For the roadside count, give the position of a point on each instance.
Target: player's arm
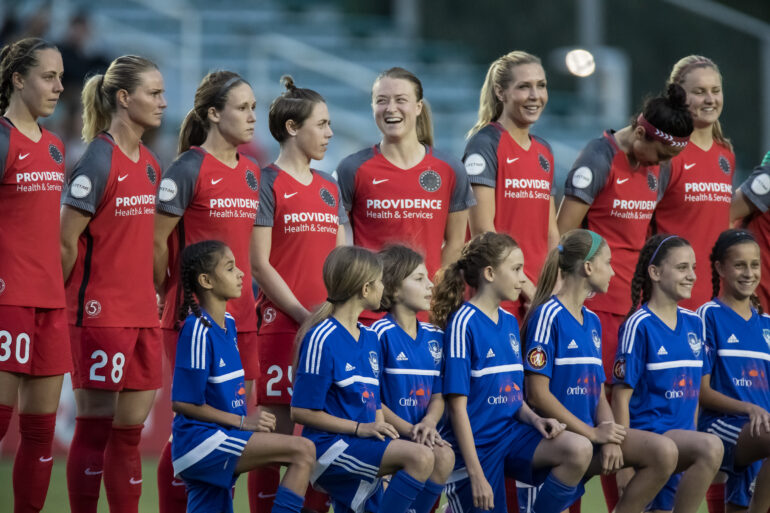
(267, 277)
(342, 238)
(403, 426)
(740, 206)
(323, 421)
(711, 399)
(553, 227)
(454, 236)
(621, 396)
(547, 426)
(164, 225)
(73, 222)
(571, 214)
(482, 215)
(424, 432)
(206, 413)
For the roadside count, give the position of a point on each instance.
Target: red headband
(660, 135)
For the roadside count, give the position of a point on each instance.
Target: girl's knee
(304, 451)
(664, 454)
(420, 460)
(712, 450)
(444, 460)
(578, 450)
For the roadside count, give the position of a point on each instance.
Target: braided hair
(654, 252)
(199, 258)
(726, 240)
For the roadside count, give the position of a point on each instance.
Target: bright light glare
(580, 62)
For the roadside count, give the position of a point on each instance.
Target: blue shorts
(204, 498)
(727, 428)
(740, 485)
(212, 458)
(347, 469)
(665, 498)
(511, 456)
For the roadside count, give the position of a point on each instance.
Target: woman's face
(650, 152)
(704, 96)
(675, 275)
(145, 105)
(526, 95)
(40, 88)
(236, 119)
(741, 270)
(314, 134)
(395, 107)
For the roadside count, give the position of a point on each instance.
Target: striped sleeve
(458, 339)
(193, 358)
(315, 367)
(632, 350)
(541, 348)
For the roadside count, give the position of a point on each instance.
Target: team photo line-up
(475, 340)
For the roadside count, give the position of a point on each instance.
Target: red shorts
(116, 358)
(276, 358)
(34, 341)
(610, 326)
(247, 347)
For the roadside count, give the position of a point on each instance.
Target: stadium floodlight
(580, 62)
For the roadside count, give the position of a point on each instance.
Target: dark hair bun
(288, 83)
(676, 96)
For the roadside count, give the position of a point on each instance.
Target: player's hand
(611, 458)
(759, 420)
(608, 432)
(549, 428)
(426, 434)
(483, 496)
(378, 430)
(265, 422)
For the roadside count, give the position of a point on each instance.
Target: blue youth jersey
(483, 362)
(338, 374)
(569, 354)
(663, 366)
(411, 367)
(737, 354)
(208, 371)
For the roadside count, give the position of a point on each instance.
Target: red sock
(715, 498)
(172, 495)
(33, 464)
(263, 483)
(123, 469)
(85, 462)
(610, 489)
(575, 508)
(511, 495)
(5, 419)
(316, 501)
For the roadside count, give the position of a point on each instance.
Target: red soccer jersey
(621, 201)
(215, 202)
(111, 282)
(31, 178)
(696, 205)
(387, 204)
(757, 190)
(523, 181)
(305, 220)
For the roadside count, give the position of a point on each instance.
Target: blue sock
(428, 497)
(554, 496)
(287, 501)
(401, 492)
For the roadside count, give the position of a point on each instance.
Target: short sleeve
(631, 356)
(266, 209)
(191, 368)
(346, 175)
(666, 175)
(540, 343)
(341, 211)
(462, 196)
(314, 371)
(457, 363)
(5, 142)
(178, 184)
(757, 187)
(480, 157)
(590, 172)
(89, 178)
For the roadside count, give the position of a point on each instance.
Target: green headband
(596, 241)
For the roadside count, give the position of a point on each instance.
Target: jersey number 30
(22, 346)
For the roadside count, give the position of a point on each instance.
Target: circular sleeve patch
(760, 185)
(537, 358)
(167, 190)
(80, 187)
(475, 164)
(619, 369)
(582, 177)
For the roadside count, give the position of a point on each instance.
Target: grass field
(56, 502)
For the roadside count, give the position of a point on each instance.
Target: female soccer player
(214, 440)
(511, 170)
(298, 224)
(564, 376)
(211, 191)
(491, 429)
(734, 388)
(412, 360)
(337, 396)
(34, 343)
(697, 191)
(107, 243)
(402, 190)
(751, 204)
(658, 369)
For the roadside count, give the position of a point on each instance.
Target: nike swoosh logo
(375, 181)
(45, 460)
(287, 196)
(511, 161)
(214, 182)
(121, 178)
(265, 495)
(688, 166)
(22, 157)
(90, 472)
(621, 180)
(174, 482)
(135, 481)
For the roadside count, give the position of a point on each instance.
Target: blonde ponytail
(425, 125)
(97, 114)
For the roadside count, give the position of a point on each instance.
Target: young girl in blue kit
(213, 438)
(564, 373)
(494, 433)
(337, 396)
(412, 358)
(658, 367)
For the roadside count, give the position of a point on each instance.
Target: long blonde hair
(500, 74)
(424, 122)
(679, 74)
